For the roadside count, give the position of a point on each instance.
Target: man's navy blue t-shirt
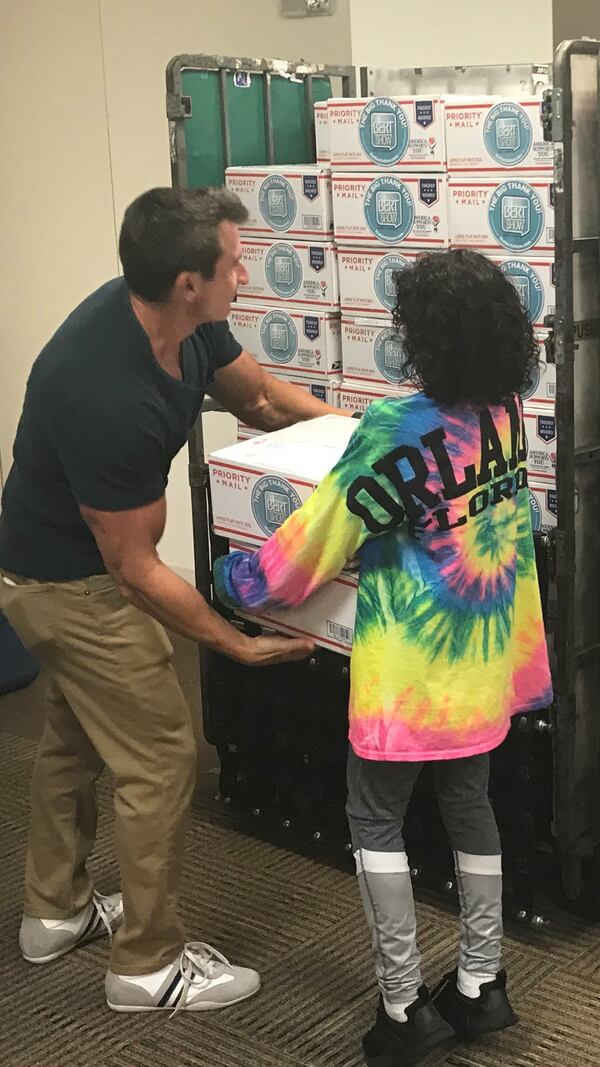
(100, 426)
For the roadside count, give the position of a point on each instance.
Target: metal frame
(178, 110)
(517, 78)
(575, 125)
(177, 106)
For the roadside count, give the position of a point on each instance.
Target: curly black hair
(466, 336)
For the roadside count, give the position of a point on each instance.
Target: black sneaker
(468, 1017)
(392, 1044)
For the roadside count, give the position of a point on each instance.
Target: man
(110, 400)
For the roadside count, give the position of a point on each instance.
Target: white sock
(72, 925)
(397, 1009)
(470, 984)
(150, 982)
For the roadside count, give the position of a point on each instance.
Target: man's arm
(262, 400)
(127, 541)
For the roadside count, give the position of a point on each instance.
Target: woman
(449, 641)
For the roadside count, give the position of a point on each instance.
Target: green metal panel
(203, 137)
(290, 130)
(245, 108)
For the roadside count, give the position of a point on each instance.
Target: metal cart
(281, 732)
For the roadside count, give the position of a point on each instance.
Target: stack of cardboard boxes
(287, 315)
(389, 182)
(394, 178)
(413, 175)
(501, 201)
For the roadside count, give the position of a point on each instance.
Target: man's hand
(265, 651)
(127, 541)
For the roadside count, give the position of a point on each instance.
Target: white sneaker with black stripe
(44, 940)
(200, 979)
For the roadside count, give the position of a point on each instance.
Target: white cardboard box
(543, 500)
(492, 134)
(327, 616)
(377, 133)
(515, 213)
(540, 429)
(294, 340)
(372, 352)
(388, 209)
(534, 280)
(291, 272)
(356, 396)
(325, 389)
(256, 484)
(322, 132)
(288, 199)
(367, 277)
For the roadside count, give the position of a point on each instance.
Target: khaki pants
(113, 698)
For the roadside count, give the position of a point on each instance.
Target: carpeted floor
(295, 918)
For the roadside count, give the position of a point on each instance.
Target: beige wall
(56, 211)
(576, 18)
(402, 33)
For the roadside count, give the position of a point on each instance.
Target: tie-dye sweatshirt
(449, 638)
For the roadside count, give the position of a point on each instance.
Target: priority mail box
(515, 212)
(493, 134)
(294, 340)
(288, 199)
(391, 209)
(367, 277)
(356, 396)
(535, 282)
(327, 616)
(376, 133)
(543, 500)
(291, 272)
(372, 351)
(256, 484)
(322, 132)
(540, 429)
(325, 389)
(542, 389)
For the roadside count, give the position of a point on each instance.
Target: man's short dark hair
(167, 231)
(466, 335)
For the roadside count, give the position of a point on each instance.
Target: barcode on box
(551, 388)
(312, 222)
(551, 233)
(340, 633)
